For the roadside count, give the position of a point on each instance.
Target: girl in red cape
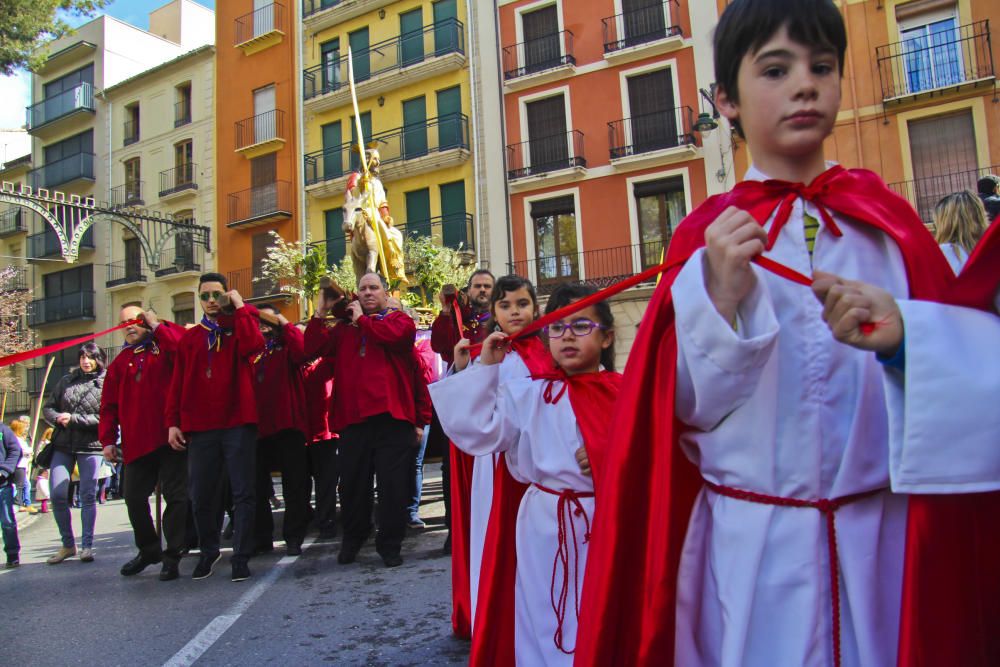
(549, 427)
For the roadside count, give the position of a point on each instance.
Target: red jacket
(377, 355)
(216, 391)
(135, 387)
(444, 332)
(318, 386)
(277, 372)
(422, 370)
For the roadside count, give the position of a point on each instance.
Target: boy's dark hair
(214, 278)
(566, 294)
(746, 25)
(988, 185)
(511, 283)
(93, 351)
(480, 272)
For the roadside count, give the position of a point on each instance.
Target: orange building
(257, 149)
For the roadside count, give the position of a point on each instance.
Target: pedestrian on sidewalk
(22, 486)
(10, 453)
(40, 476)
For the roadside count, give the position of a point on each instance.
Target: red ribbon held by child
(55, 347)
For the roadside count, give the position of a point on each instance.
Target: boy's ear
(726, 105)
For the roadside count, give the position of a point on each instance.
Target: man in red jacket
(281, 409)
(374, 413)
(137, 379)
(211, 411)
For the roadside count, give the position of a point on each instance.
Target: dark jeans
(8, 522)
(378, 448)
(418, 477)
(287, 450)
(169, 468)
(210, 453)
(325, 472)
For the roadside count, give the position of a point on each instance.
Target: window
(653, 121)
(264, 186)
(336, 243)
(547, 145)
(418, 212)
(133, 180)
(411, 37)
(183, 308)
(454, 233)
(70, 281)
(261, 242)
(183, 159)
(943, 150)
(133, 259)
(184, 243)
(932, 56)
(643, 21)
(80, 143)
(541, 39)
(445, 26)
(65, 361)
(182, 107)
(660, 205)
(265, 119)
(330, 59)
(554, 225)
(70, 81)
(131, 124)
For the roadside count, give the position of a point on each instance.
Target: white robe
(540, 442)
(955, 255)
(780, 408)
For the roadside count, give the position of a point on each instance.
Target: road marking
(217, 627)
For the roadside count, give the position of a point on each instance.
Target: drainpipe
(108, 242)
(854, 88)
(508, 221)
(474, 126)
(301, 127)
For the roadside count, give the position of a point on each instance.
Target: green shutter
(418, 212)
(333, 157)
(336, 245)
(453, 232)
(359, 50)
(411, 26)
(366, 127)
(415, 127)
(445, 27)
(449, 105)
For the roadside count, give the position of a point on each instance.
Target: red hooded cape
(648, 486)
(951, 582)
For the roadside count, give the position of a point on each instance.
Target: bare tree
(14, 335)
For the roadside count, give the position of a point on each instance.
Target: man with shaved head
(135, 391)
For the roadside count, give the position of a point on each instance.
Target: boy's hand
(583, 461)
(176, 439)
(731, 242)
(494, 349)
(849, 304)
(462, 355)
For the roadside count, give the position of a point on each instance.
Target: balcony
(46, 244)
(660, 137)
(181, 257)
(953, 59)
(131, 132)
(319, 15)
(178, 182)
(44, 117)
(13, 221)
(643, 32)
(598, 268)
(260, 205)
(396, 62)
(67, 171)
(251, 286)
(16, 401)
(17, 280)
(124, 273)
(37, 375)
(538, 60)
(129, 194)
(182, 113)
(405, 151)
(261, 28)
(62, 308)
(261, 134)
(924, 193)
(556, 158)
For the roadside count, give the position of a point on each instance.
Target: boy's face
(789, 98)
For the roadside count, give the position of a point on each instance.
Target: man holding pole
(135, 388)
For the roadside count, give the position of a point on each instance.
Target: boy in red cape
(745, 516)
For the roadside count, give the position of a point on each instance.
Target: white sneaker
(86, 555)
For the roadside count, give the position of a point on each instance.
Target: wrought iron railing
(69, 168)
(70, 306)
(250, 283)
(455, 231)
(441, 38)
(79, 98)
(545, 154)
(261, 202)
(640, 26)
(599, 268)
(124, 272)
(650, 132)
(15, 401)
(537, 55)
(942, 59)
(259, 22)
(263, 127)
(181, 177)
(13, 221)
(17, 280)
(131, 131)
(182, 112)
(924, 193)
(181, 254)
(395, 146)
(128, 194)
(310, 7)
(46, 244)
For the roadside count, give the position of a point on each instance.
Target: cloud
(16, 92)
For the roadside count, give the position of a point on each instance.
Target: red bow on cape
(590, 394)
(648, 486)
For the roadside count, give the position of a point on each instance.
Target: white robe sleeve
(943, 417)
(473, 411)
(718, 367)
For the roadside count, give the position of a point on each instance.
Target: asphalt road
(297, 611)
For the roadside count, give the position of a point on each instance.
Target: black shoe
(293, 549)
(203, 569)
(328, 531)
(241, 572)
(12, 563)
(261, 549)
(169, 572)
(137, 565)
(392, 560)
(348, 554)
(446, 549)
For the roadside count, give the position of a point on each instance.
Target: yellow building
(413, 83)
(162, 157)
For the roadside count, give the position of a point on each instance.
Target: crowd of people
(799, 465)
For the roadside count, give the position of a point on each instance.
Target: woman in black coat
(72, 409)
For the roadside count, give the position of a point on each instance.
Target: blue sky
(135, 12)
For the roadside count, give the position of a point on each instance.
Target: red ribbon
(457, 307)
(55, 347)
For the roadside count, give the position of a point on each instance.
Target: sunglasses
(581, 327)
(205, 296)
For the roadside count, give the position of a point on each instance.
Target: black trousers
(286, 451)
(325, 471)
(169, 468)
(210, 453)
(381, 448)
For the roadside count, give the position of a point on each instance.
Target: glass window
(661, 207)
(931, 55)
(556, 250)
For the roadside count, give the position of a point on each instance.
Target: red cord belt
(568, 506)
(828, 508)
